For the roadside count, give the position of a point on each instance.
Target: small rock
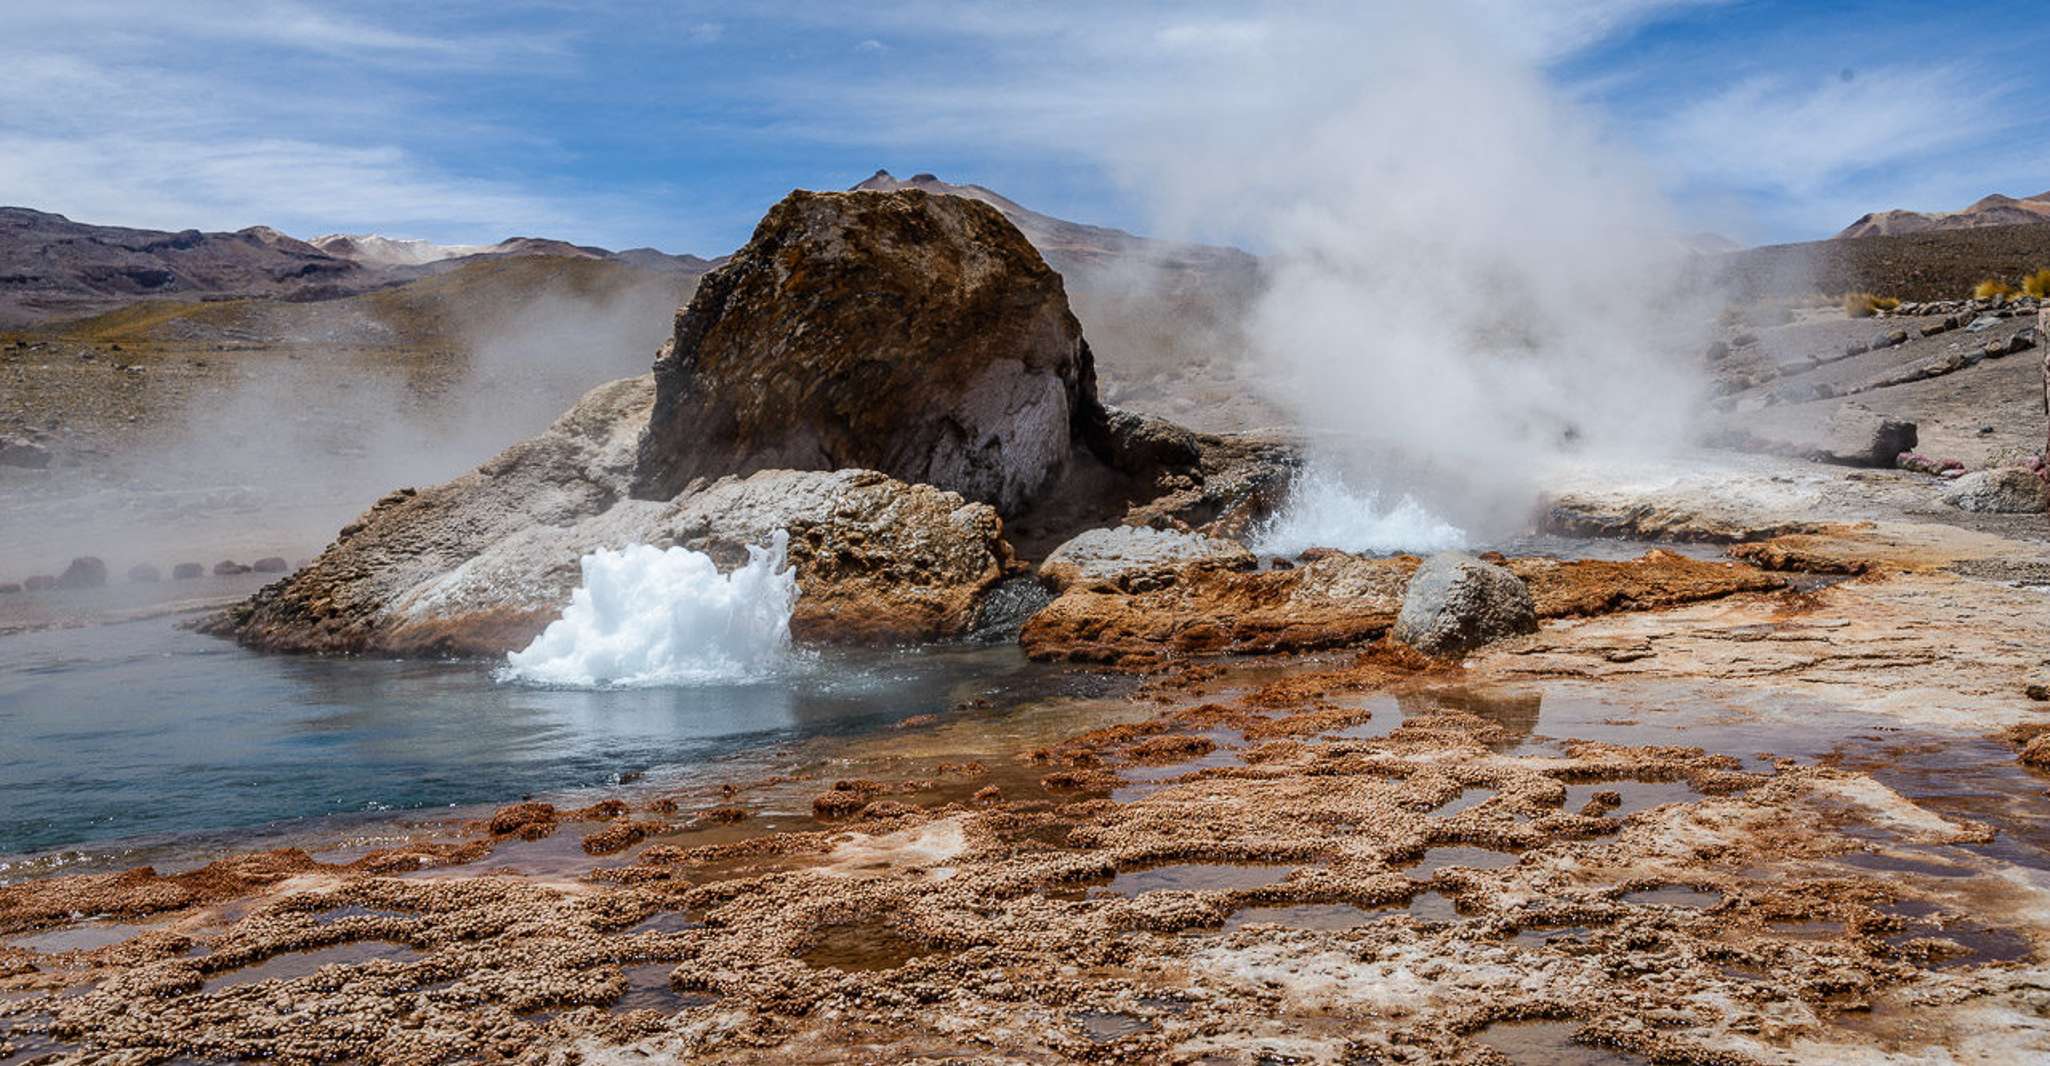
(24, 453)
(269, 564)
(2037, 689)
(2005, 490)
(229, 568)
(1455, 603)
(187, 571)
(85, 572)
(1137, 558)
(1944, 364)
(1860, 436)
(144, 574)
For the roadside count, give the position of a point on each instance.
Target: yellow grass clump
(1865, 304)
(1991, 287)
(2038, 284)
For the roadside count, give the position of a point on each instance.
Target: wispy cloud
(215, 115)
(633, 120)
(1796, 138)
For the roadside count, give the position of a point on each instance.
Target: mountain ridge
(1997, 209)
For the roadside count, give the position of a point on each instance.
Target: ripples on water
(116, 740)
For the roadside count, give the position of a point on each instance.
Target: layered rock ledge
(481, 564)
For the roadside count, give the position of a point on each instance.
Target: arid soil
(1700, 817)
(1940, 264)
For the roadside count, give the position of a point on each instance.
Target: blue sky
(676, 124)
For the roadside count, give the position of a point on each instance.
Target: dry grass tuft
(1865, 304)
(1991, 287)
(2038, 284)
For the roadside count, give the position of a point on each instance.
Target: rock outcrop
(1852, 435)
(481, 564)
(24, 453)
(1330, 602)
(1455, 603)
(880, 374)
(914, 334)
(1338, 599)
(2003, 490)
(85, 572)
(1136, 558)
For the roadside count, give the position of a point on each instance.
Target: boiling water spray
(648, 616)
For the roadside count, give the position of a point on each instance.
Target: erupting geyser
(1324, 512)
(652, 616)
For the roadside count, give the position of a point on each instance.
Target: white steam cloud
(1466, 281)
(341, 403)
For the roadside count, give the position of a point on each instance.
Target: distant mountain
(52, 267)
(408, 256)
(1937, 264)
(1994, 210)
(372, 249)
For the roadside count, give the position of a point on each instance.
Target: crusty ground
(992, 928)
(1351, 856)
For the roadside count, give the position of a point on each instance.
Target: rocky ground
(1779, 798)
(1766, 811)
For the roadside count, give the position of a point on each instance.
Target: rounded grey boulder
(85, 572)
(1456, 603)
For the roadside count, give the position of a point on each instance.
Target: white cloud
(298, 186)
(176, 116)
(1798, 139)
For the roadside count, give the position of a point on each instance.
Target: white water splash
(649, 616)
(1324, 512)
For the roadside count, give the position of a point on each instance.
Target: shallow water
(1679, 896)
(864, 945)
(300, 963)
(1549, 1043)
(1197, 876)
(1636, 796)
(648, 988)
(79, 937)
(1106, 1027)
(1303, 916)
(136, 741)
(1442, 858)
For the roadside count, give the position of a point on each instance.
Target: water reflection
(1516, 713)
(142, 730)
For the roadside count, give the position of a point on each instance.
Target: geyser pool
(666, 616)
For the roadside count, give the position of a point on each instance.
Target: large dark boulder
(914, 334)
